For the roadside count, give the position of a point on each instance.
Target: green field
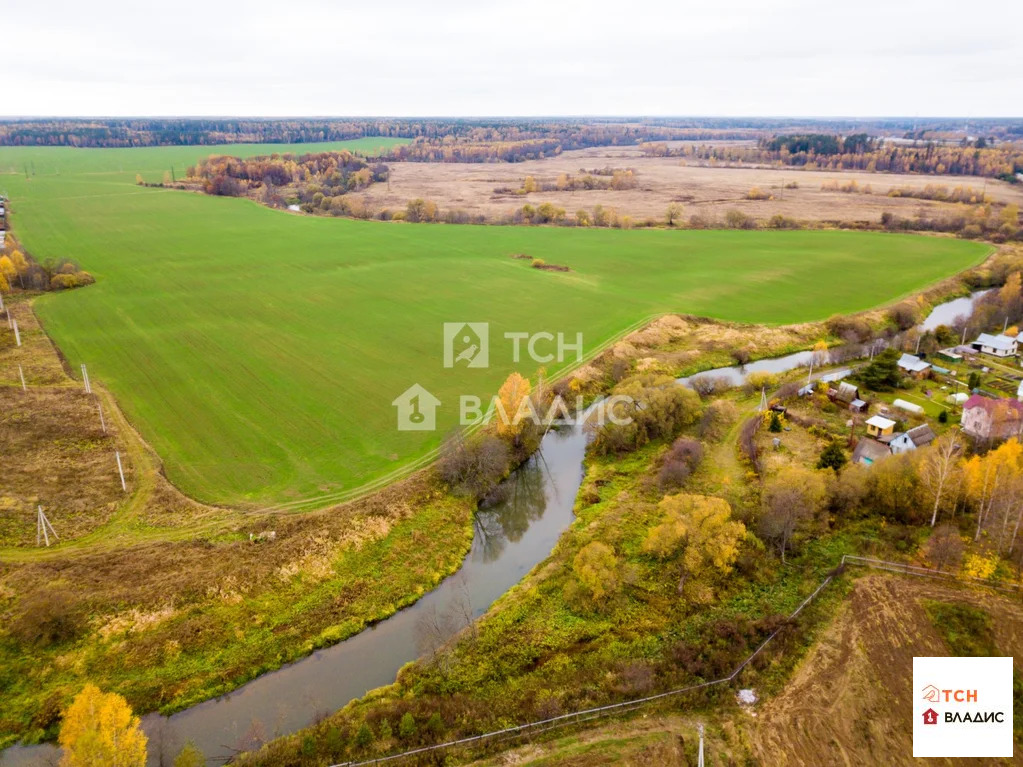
(259, 351)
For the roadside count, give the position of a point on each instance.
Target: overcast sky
(531, 57)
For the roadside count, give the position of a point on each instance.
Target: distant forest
(446, 139)
(816, 151)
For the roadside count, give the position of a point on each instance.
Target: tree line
(861, 152)
(20, 271)
(307, 179)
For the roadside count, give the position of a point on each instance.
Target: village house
(848, 395)
(914, 366)
(997, 346)
(878, 426)
(919, 436)
(1019, 392)
(987, 418)
(869, 451)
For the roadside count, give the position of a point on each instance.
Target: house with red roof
(988, 418)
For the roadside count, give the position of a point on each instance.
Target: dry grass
(55, 453)
(702, 190)
(677, 345)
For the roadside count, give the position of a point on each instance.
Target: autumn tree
(1011, 296)
(514, 409)
(645, 407)
(674, 214)
(99, 730)
(937, 469)
(472, 466)
(790, 500)
(680, 461)
(190, 756)
(598, 570)
(991, 486)
(7, 270)
(895, 489)
(699, 532)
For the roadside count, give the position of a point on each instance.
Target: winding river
(513, 534)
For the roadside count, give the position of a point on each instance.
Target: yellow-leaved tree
(598, 570)
(7, 269)
(992, 485)
(699, 531)
(1012, 289)
(512, 396)
(100, 730)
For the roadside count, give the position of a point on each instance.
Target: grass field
(260, 351)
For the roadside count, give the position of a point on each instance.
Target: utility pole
(120, 470)
(102, 422)
(763, 400)
(17, 334)
(21, 374)
(85, 378)
(700, 762)
(44, 528)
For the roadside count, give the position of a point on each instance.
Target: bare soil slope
(850, 702)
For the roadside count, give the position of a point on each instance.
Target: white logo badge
(466, 343)
(962, 707)
(417, 409)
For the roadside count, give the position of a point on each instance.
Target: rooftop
(880, 422)
(994, 407)
(922, 435)
(913, 364)
(870, 451)
(1000, 342)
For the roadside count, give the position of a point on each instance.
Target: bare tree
(938, 467)
(945, 546)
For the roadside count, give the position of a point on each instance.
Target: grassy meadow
(259, 351)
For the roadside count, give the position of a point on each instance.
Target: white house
(915, 366)
(997, 346)
(910, 440)
(1019, 392)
